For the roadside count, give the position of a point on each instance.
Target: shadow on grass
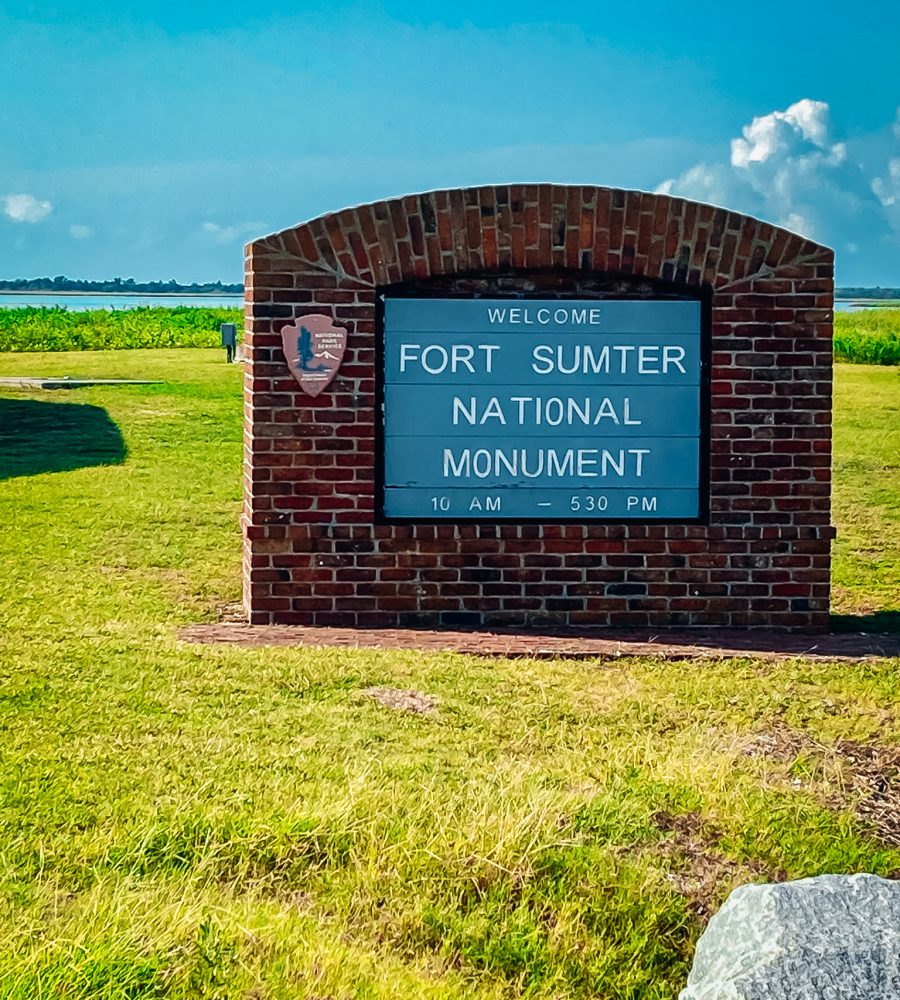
(37, 437)
(876, 622)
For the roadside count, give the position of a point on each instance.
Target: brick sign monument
(538, 404)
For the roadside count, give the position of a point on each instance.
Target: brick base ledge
(717, 644)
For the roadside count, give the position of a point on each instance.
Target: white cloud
(80, 232)
(25, 208)
(231, 234)
(770, 134)
(887, 188)
(786, 167)
(797, 224)
(712, 183)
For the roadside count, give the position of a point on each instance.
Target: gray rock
(834, 937)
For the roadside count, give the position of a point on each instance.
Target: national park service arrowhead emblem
(314, 348)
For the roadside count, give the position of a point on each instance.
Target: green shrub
(58, 329)
(870, 336)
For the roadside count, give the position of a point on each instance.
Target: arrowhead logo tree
(314, 348)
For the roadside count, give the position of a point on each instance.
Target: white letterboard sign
(510, 409)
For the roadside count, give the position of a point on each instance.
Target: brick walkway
(604, 644)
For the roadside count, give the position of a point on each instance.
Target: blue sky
(153, 139)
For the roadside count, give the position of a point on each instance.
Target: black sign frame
(660, 290)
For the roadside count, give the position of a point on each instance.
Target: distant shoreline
(132, 295)
(240, 295)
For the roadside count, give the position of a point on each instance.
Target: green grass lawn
(866, 575)
(184, 821)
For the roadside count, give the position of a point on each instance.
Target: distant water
(79, 301)
(854, 305)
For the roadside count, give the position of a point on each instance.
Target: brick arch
(315, 552)
(538, 226)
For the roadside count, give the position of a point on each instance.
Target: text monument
(542, 409)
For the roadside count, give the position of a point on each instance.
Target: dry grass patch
(871, 784)
(700, 872)
(402, 701)
(864, 778)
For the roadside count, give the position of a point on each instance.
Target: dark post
(229, 340)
